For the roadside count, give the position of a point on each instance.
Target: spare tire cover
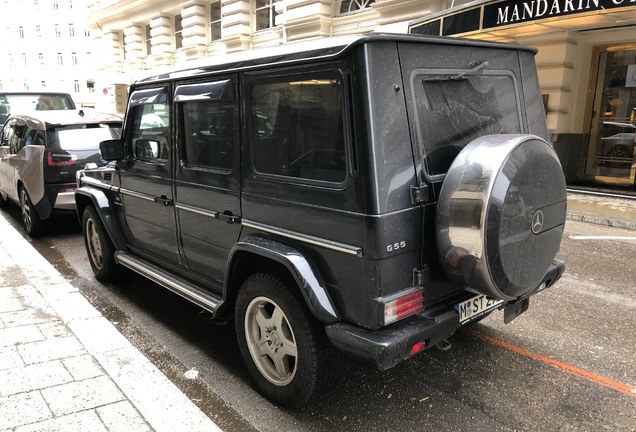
(500, 215)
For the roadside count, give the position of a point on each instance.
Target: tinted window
(23, 102)
(297, 128)
(453, 110)
(208, 111)
(81, 136)
(150, 126)
(7, 133)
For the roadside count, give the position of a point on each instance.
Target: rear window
(455, 107)
(82, 136)
(25, 102)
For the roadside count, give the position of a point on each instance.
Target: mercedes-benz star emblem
(537, 221)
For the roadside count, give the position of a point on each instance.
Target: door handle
(163, 200)
(229, 217)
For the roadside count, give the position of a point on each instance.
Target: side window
(209, 123)
(149, 138)
(7, 134)
(17, 140)
(297, 127)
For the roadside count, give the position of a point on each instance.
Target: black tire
(3, 200)
(31, 222)
(294, 362)
(99, 247)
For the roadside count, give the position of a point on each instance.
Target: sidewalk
(64, 367)
(601, 209)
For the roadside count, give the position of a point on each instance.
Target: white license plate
(475, 306)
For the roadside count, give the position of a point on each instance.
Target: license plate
(476, 306)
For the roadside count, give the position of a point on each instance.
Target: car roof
(43, 120)
(297, 52)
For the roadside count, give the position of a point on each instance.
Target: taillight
(60, 159)
(403, 306)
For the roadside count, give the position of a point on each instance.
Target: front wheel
(31, 222)
(99, 247)
(283, 346)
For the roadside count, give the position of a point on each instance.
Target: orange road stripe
(581, 373)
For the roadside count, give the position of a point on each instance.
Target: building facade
(586, 53)
(47, 47)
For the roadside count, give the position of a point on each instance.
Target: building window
(215, 21)
(178, 31)
(265, 14)
(76, 86)
(41, 59)
(74, 59)
(21, 32)
(71, 30)
(36, 4)
(26, 85)
(352, 6)
(70, 4)
(60, 60)
(38, 31)
(56, 5)
(89, 58)
(57, 31)
(148, 40)
(90, 85)
(24, 59)
(87, 33)
(43, 84)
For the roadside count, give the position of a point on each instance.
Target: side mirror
(112, 150)
(4, 151)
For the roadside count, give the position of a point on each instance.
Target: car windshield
(82, 136)
(19, 103)
(462, 107)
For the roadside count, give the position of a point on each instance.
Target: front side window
(297, 128)
(149, 139)
(455, 107)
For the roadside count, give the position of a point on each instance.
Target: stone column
(161, 34)
(306, 19)
(194, 31)
(134, 47)
(237, 25)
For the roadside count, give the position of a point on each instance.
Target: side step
(184, 288)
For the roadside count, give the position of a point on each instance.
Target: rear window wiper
(458, 77)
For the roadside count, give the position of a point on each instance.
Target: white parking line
(602, 238)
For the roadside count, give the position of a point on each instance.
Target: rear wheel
(99, 247)
(31, 222)
(283, 346)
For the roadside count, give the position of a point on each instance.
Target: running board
(177, 285)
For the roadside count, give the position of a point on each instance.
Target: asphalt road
(568, 363)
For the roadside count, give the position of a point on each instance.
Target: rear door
(146, 175)
(208, 176)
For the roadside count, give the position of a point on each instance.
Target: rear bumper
(386, 347)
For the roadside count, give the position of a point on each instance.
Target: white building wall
(31, 58)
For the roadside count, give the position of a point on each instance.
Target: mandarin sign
(505, 13)
(515, 11)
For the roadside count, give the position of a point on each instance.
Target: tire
(285, 349)
(99, 247)
(31, 222)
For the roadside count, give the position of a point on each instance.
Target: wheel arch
(84, 197)
(257, 253)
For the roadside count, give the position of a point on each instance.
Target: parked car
(40, 154)
(25, 102)
(356, 198)
(618, 143)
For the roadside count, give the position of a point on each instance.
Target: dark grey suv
(361, 197)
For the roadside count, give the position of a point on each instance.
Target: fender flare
(100, 201)
(309, 281)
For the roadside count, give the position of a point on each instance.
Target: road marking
(581, 373)
(602, 238)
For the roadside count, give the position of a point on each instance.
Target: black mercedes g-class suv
(361, 197)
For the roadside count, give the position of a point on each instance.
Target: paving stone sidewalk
(64, 367)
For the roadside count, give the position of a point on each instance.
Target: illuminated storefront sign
(510, 12)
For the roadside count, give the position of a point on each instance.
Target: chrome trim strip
(198, 210)
(340, 247)
(136, 194)
(168, 282)
(92, 181)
